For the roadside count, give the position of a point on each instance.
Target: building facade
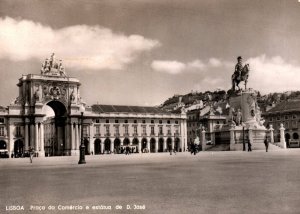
(288, 114)
(104, 128)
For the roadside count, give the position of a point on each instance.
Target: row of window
(285, 117)
(17, 133)
(135, 121)
(135, 131)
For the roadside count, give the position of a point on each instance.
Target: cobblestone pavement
(209, 182)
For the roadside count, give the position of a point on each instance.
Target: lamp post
(82, 147)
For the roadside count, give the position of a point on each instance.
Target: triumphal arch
(104, 129)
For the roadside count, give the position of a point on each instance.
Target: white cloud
(176, 67)
(89, 47)
(197, 64)
(273, 74)
(171, 67)
(215, 62)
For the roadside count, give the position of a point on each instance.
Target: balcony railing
(107, 135)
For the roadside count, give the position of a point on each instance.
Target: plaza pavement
(210, 182)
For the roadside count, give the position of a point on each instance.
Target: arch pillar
(102, 146)
(26, 137)
(42, 151)
(36, 137)
(140, 145)
(112, 145)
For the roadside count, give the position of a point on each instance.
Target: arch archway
(18, 148)
(55, 129)
(152, 145)
(117, 146)
(97, 147)
(177, 145)
(160, 145)
(107, 145)
(135, 142)
(3, 145)
(169, 143)
(144, 145)
(126, 141)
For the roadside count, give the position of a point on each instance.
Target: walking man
(266, 142)
(31, 152)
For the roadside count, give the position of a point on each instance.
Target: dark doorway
(107, 146)
(161, 145)
(152, 145)
(18, 148)
(97, 146)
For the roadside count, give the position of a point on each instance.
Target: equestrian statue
(241, 73)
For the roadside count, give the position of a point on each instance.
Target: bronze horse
(243, 77)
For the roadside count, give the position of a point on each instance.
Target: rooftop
(127, 109)
(285, 106)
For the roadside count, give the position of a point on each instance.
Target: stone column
(31, 139)
(102, 147)
(165, 144)
(203, 140)
(36, 137)
(92, 146)
(250, 136)
(42, 152)
(26, 137)
(271, 133)
(232, 140)
(282, 139)
(148, 145)
(77, 142)
(140, 146)
(112, 146)
(73, 140)
(156, 145)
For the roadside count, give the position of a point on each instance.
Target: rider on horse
(238, 68)
(240, 74)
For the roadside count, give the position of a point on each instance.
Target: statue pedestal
(251, 130)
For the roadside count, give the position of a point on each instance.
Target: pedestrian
(170, 148)
(31, 152)
(266, 142)
(249, 147)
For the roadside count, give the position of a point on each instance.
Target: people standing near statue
(266, 142)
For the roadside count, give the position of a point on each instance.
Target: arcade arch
(160, 145)
(177, 145)
(55, 129)
(117, 146)
(144, 145)
(3, 145)
(152, 145)
(97, 147)
(107, 143)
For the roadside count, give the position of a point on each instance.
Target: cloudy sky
(141, 52)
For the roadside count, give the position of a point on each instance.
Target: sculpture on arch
(51, 67)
